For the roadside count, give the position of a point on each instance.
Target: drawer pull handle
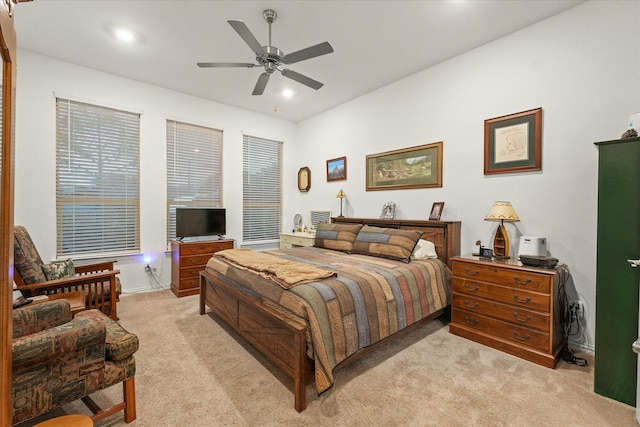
(520, 282)
(470, 273)
(469, 305)
(518, 337)
(471, 322)
(520, 319)
(522, 301)
(467, 287)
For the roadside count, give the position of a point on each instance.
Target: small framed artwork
(436, 211)
(337, 169)
(513, 143)
(413, 167)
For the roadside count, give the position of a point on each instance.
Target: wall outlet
(580, 310)
(577, 310)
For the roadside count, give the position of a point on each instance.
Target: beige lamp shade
(503, 212)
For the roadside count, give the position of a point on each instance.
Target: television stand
(188, 259)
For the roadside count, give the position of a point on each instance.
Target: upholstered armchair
(57, 359)
(99, 282)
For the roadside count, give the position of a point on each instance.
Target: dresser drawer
(524, 336)
(204, 248)
(504, 294)
(508, 313)
(190, 261)
(193, 271)
(516, 278)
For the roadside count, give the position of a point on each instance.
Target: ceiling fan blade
(314, 84)
(308, 53)
(261, 84)
(243, 31)
(225, 64)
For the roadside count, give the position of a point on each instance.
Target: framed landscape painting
(412, 167)
(337, 169)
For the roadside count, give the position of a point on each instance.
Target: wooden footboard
(280, 338)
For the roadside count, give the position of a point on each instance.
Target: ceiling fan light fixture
(270, 57)
(287, 93)
(125, 35)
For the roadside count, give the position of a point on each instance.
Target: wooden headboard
(444, 234)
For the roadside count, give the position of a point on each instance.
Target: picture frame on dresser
(513, 143)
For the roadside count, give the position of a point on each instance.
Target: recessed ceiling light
(124, 35)
(287, 93)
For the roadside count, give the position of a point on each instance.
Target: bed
(342, 301)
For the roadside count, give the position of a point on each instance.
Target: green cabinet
(616, 281)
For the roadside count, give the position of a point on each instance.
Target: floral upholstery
(57, 359)
(26, 259)
(59, 269)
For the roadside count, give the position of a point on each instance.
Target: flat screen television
(194, 222)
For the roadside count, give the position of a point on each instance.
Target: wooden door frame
(8, 53)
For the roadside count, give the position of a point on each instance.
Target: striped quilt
(369, 299)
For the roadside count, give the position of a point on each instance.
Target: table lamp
(341, 195)
(501, 211)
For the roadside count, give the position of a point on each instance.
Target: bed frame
(282, 339)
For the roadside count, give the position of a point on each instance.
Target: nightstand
(294, 240)
(508, 306)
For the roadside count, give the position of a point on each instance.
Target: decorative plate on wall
(304, 179)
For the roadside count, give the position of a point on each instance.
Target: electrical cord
(569, 317)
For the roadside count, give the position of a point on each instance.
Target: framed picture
(513, 143)
(337, 169)
(413, 167)
(436, 211)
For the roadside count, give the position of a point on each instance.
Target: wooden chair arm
(66, 282)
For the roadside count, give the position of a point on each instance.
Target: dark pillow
(339, 237)
(386, 242)
(59, 269)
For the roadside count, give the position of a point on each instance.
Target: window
(97, 179)
(194, 169)
(261, 189)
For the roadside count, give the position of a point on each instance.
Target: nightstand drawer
(297, 241)
(524, 336)
(508, 313)
(516, 278)
(504, 294)
(294, 240)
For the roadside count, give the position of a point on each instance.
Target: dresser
(508, 306)
(188, 259)
(294, 240)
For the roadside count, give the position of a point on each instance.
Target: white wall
(582, 67)
(39, 77)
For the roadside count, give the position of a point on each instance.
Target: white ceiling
(375, 42)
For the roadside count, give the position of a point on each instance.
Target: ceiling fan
(272, 58)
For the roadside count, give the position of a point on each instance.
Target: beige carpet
(192, 372)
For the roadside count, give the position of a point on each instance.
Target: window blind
(194, 169)
(97, 179)
(261, 189)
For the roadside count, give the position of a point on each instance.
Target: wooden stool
(67, 421)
